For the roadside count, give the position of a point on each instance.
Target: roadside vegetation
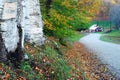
(109, 34)
(75, 37)
(63, 17)
(54, 61)
(45, 62)
(113, 36)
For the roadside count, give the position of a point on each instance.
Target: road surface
(108, 53)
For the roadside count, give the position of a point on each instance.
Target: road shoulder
(92, 67)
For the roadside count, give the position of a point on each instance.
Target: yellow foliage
(68, 14)
(66, 3)
(89, 18)
(92, 6)
(48, 25)
(58, 18)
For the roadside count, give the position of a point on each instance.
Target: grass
(113, 37)
(49, 62)
(45, 63)
(75, 37)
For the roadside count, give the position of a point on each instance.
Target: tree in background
(104, 8)
(62, 17)
(86, 10)
(114, 16)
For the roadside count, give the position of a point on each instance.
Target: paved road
(108, 53)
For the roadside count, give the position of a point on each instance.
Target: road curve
(108, 53)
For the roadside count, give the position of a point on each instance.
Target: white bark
(10, 34)
(32, 21)
(9, 25)
(12, 37)
(32, 25)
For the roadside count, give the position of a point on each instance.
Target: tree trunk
(32, 22)
(3, 51)
(17, 16)
(10, 33)
(17, 56)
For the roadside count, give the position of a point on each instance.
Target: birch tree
(19, 18)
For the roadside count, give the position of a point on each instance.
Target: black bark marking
(3, 50)
(17, 56)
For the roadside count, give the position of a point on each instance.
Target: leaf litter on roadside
(89, 66)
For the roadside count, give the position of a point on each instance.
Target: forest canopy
(62, 17)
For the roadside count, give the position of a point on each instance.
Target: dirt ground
(85, 65)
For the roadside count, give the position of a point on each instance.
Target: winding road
(108, 53)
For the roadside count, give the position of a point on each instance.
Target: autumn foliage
(64, 16)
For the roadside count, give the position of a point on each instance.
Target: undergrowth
(75, 37)
(45, 62)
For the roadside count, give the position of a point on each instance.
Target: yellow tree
(86, 10)
(67, 15)
(91, 7)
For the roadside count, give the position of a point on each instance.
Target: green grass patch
(45, 63)
(113, 37)
(75, 37)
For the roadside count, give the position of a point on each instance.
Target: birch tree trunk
(10, 33)
(32, 21)
(19, 18)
